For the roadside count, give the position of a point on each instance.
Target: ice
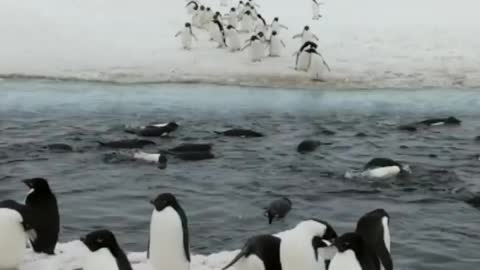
(370, 43)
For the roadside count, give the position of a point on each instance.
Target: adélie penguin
(16, 227)
(381, 168)
(106, 253)
(278, 209)
(44, 205)
(169, 241)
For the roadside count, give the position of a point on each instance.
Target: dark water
(432, 226)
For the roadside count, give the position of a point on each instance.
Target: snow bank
(70, 256)
(370, 43)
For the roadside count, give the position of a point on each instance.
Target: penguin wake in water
(44, 205)
(16, 227)
(168, 246)
(106, 253)
(381, 168)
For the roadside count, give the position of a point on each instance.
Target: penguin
(233, 39)
(306, 35)
(169, 241)
(316, 10)
(237, 132)
(261, 37)
(276, 45)
(159, 159)
(303, 58)
(47, 218)
(218, 33)
(257, 49)
(16, 228)
(59, 148)
(317, 65)
(240, 9)
(449, 121)
(193, 156)
(153, 130)
(186, 36)
(308, 146)
(381, 168)
(278, 209)
(353, 254)
(374, 228)
(196, 17)
(128, 144)
(232, 18)
(260, 24)
(302, 247)
(191, 6)
(191, 147)
(260, 252)
(247, 23)
(105, 254)
(276, 26)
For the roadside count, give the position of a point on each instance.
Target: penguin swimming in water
(353, 254)
(308, 146)
(317, 65)
(374, 228)
(257, 49)
(47, 218)
(316, 10)
(169, 241)
(303, 58)
(127, 144)
(233, 39)
(276, 45)
(306, 35)
(187, 36)
(106, 253)
(260, 252)
(237, 132)
(160, 159)
(278, 209)
(16, 228)
(276, 26)
(381, 168)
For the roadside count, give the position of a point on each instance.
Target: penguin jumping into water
(16, 228)
(275, 45)
(303, 58)
(187, 36)
(106, 253)
(317, 65)
(316, 10)
(44, 205)
(306, 35)
(169, 241)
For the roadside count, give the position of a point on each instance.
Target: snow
(369, 43)
(70, 256)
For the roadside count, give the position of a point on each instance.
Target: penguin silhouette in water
(105, 254)
(43, 203)
(278, 209)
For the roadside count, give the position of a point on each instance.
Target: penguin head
(37, 184)
(163, 201)
(100, 239)
(248, 12)
(208, 8)
(274, 33)
(253, 38)
(233, 9)
(275, 19)
(162, 162)
(306, 28)
(188, 25)
(260, 34)
(318, 228)
(349, 241)
(230, 27)
(202, 7)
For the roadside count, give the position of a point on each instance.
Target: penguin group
(263, 40)
(312, 244)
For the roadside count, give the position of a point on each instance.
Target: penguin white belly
(252, 262)
(386, 233)
(247, 24)
(275, 47)
(166, 241)
(317, 68)
(13, 239)
(296, 253)
(186, 40)
(234, 42)
(275, 27)
(307, 37)
(303, 61)
(196, 19)
(383, 172)
(100, 259)
(345, 261)
(218, 37)
(257, 51)
(232, 20)
(260, 27)
(153, 158)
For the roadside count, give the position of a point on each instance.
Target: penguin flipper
(241, 254)
(385, 257)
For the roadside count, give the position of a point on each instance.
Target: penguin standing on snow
(306, 35)
(233, 39)
(106, 253)
(257, 49)
(187, 36)
(169, 241)
(276, 45)
(316, 10)
(247, 22)
(303, 58)
(232, 17)
(218, 33)
(317, 65)
(43, 203)
(16, 227)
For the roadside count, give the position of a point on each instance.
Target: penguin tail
(241, 254)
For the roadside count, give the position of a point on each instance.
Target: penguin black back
(105, 239)
(45, 210)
